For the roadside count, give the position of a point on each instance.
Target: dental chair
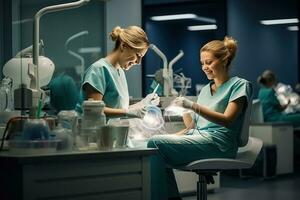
(248, 151)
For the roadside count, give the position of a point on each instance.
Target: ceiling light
(173, 17)
(202, 27)
(279, 21)
(206, 19)
(293, 28)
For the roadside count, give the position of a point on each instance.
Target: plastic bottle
(64, 130)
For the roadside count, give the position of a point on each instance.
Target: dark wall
(5, 33)
(1, 37)
(172, 36)
(260, 47)
(264, 47)
(57, 27)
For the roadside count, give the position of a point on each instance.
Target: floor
(286, 187)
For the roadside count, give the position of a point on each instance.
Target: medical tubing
(36, 31)
(197, 116)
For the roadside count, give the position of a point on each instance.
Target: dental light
(29, 94)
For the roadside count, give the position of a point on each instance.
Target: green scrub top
(110, 82)
(234, 88)
(269, 102)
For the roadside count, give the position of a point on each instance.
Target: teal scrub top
(234, 88)
(110, 82)
(269, 102)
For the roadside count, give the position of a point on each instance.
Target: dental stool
(248, 151)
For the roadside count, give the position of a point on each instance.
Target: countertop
(6, 156)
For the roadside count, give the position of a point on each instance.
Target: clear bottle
(65, 130)
(6, 102)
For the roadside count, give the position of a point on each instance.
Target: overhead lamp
(173, 17)
(279, 21)
(183, 16)
(293, 28)
(202, 27)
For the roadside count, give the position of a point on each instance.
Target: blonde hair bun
(133, 36)
(115, 34)
(231, 45)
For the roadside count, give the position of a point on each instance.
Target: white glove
(183, 102)
(151, 99)
(136, 111)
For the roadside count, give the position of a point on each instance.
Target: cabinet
(280, 134)
(118, 174)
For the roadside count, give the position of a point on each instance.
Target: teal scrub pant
(290, 118)
(176, 150)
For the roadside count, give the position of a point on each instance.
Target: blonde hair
(267, 77)
(133, 36)
(223, 50)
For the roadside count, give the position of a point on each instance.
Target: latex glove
(183, 102)
(151, 99)
(136, 111)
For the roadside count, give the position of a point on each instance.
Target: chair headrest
(257, 112)
(244, 134)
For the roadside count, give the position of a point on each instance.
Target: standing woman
(212, 132)
(105, 79)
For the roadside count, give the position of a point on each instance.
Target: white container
(92, 120)
(93, 114)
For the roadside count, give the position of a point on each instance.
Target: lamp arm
(36, 31)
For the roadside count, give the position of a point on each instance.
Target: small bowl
(110, 137)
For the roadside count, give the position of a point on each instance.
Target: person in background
(64, 93)
(272, 109)
(212, 131)
(105, 79)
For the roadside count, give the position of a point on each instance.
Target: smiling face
(130, 57)
(212, 66)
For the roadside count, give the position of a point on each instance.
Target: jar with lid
(93, 114)
(92, 120)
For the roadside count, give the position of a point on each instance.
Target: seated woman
(272, 109)
(213, 130)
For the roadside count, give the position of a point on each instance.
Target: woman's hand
(183, 102)
(151, 99)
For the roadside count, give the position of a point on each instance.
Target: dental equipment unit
(167, 74)
(28, 94)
